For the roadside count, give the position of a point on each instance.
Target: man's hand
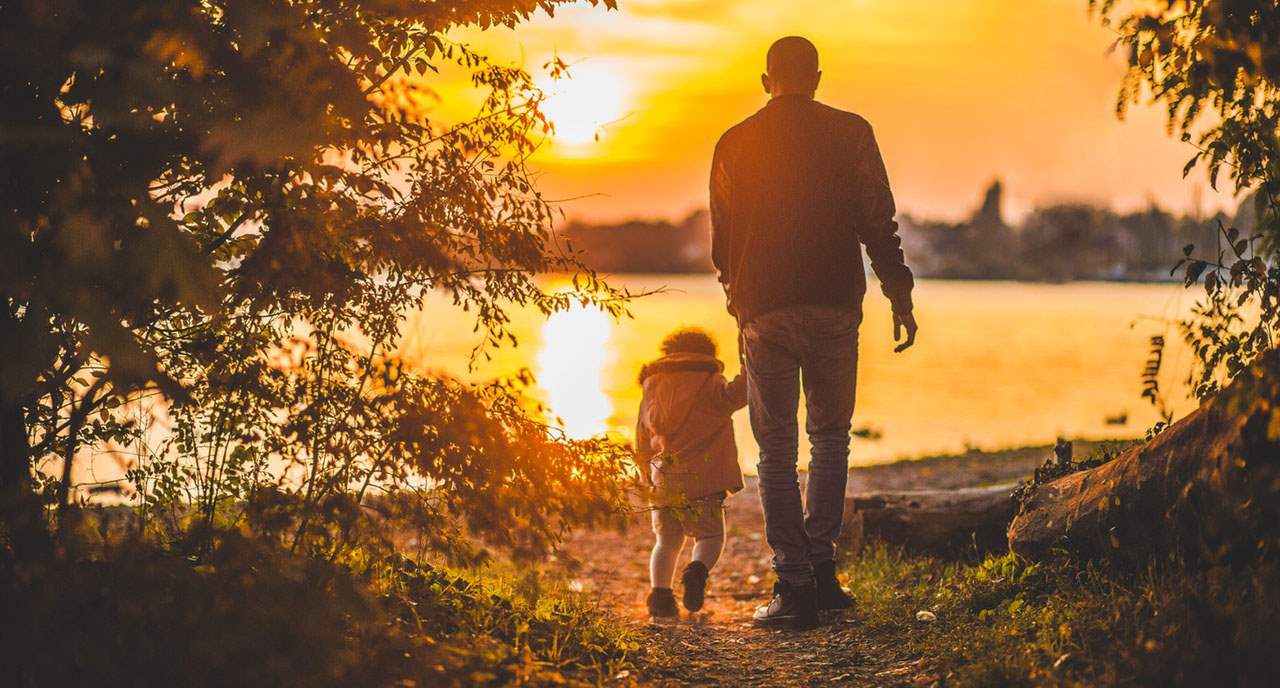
(901, 321)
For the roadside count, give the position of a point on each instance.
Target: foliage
(1238, 320)
(252, 614)
(1220, 57)
(1005, 621)
(224, 214)
(1062, 463)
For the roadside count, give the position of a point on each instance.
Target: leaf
(1194, 269)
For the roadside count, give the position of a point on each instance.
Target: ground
(719, 646)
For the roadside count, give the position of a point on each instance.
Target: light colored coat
(684, 434)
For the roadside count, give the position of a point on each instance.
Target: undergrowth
(250, 613)
(1004, 621)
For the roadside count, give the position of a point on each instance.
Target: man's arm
(720, 229)
(879, 232)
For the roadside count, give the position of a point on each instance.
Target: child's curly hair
(689, 340)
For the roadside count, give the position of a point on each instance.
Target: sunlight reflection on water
(572, 361)
(997, 363)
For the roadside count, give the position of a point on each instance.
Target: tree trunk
(1207, 488)
(21, 516)
(934, 521)
(15, 462)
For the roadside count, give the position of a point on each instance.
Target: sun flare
(571, 366)
(583, 103)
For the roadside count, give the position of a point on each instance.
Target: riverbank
(719, 645)
(927, 621)
(263, 614)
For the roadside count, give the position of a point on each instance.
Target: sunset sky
(959, 92)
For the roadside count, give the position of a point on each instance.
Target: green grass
(548, 632)
(1007, 622)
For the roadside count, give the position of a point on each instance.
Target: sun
(583, 103)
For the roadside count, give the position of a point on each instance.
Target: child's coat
(684, 434)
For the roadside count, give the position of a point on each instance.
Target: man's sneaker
(662, 605)
(694, 580)
(831, 595)
(793, 606)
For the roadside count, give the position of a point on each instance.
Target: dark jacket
(794, 189)
(684, 433)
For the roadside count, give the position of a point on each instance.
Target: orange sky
(959, 92)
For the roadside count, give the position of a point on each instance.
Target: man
(794, 189)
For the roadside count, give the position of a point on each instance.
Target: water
(996, 364)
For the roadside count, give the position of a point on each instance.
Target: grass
(1003, 621)
(251, 613)
(560, 633)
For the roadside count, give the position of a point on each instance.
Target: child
(684, 444)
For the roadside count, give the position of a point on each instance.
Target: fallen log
(1207, 488)
(933, 521)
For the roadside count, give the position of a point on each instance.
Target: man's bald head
(792, 64)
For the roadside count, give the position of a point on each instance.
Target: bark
(15, 461)
(1207, 488)
(934, 521)
(21, 515)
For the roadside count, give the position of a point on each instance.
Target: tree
(1219, 57)
(231, 205)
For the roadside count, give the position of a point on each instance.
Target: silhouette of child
(685, 446)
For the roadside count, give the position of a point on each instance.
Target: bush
(250, 613)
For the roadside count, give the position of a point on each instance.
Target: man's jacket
(794, 189)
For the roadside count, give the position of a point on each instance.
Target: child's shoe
(662, 605)
(694, 579)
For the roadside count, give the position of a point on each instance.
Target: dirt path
(720, 646)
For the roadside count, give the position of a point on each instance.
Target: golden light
(571, 366)
(583, 103)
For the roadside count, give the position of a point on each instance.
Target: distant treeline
(1055, 243)
(646, 246)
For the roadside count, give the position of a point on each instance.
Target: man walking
(794, 189)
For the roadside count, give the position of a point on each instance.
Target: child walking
(684, 444)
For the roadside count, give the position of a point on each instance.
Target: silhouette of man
(794, 189)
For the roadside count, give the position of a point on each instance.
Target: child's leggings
(703, 520)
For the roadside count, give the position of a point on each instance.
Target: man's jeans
(817, 347)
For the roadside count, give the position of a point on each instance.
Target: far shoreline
(605, 274)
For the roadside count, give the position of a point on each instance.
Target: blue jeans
(817, 348)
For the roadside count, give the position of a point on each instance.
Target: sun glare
(571, 366)
(582, 104)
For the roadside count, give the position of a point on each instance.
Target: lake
(996, 364)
